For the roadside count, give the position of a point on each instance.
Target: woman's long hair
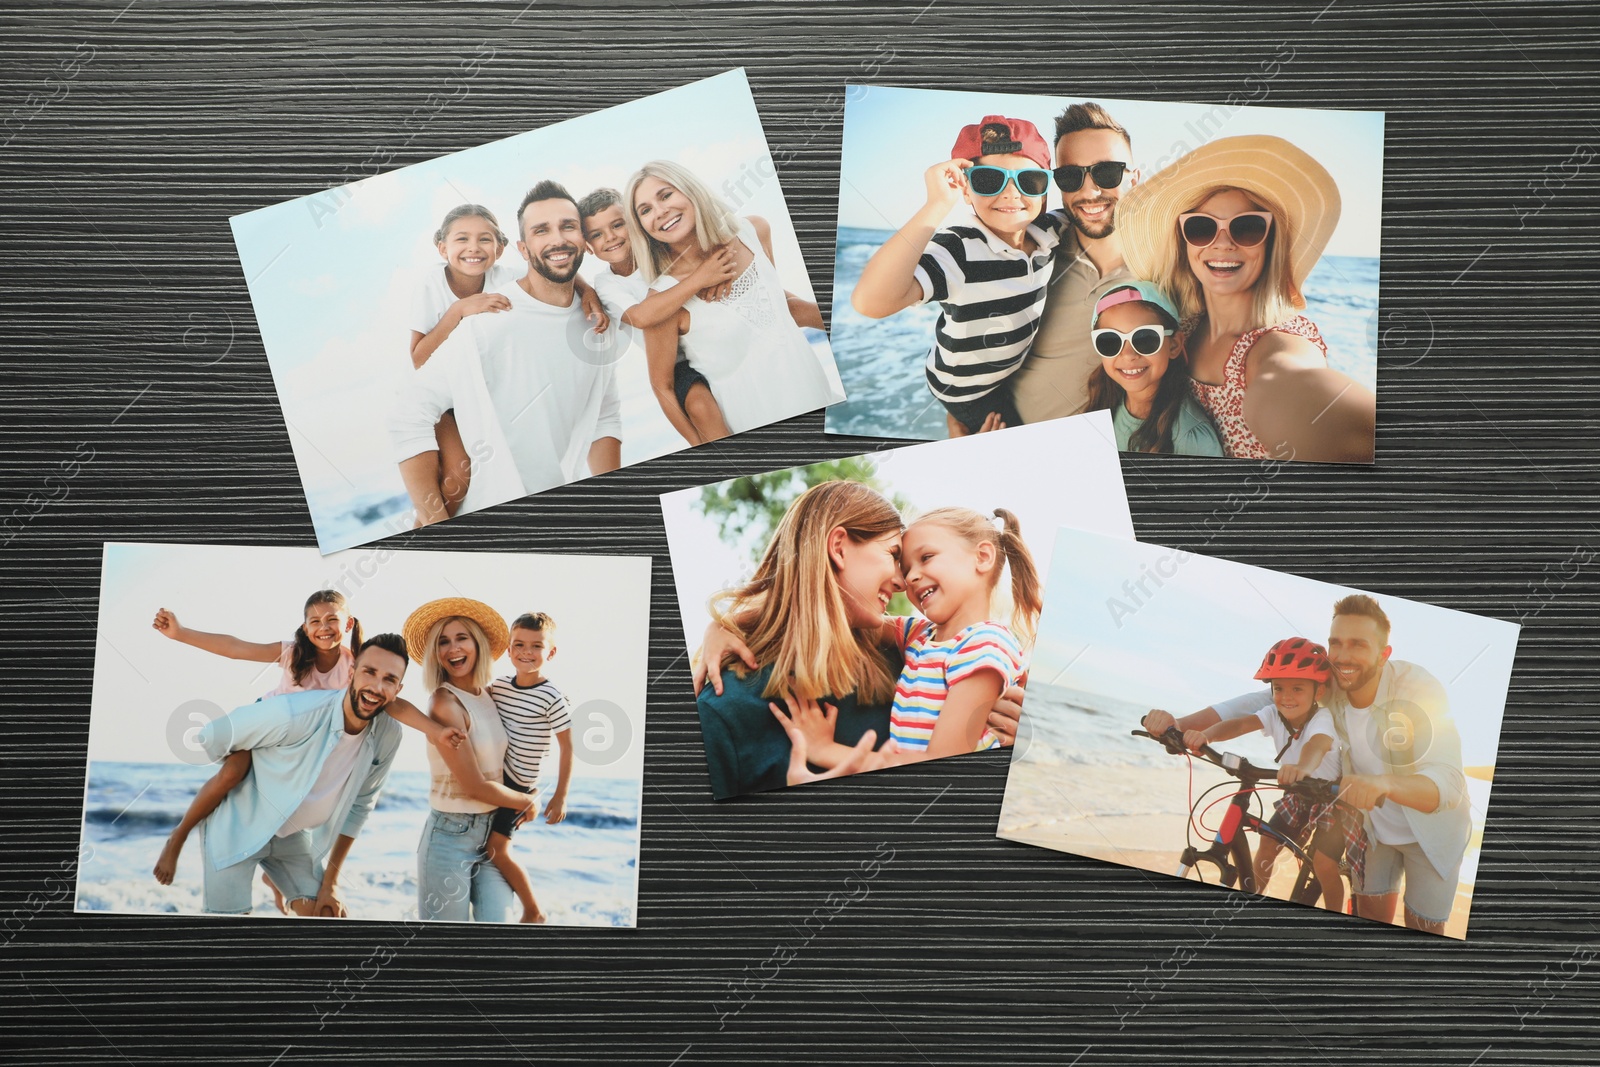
(433, 674)
(714, 222)
(304, 655)
(1027, 593)
(1276, 298)
(1105, 393)
(792, 614)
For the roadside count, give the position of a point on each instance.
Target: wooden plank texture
(128, 335)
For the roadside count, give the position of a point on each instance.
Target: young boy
(532, 710)
(1307, 747)
(988, 275)
(622, 289)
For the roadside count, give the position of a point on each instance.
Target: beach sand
(1135, 816)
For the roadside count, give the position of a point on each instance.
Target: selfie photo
(1206, 273)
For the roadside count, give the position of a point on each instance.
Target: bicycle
(1230, 850)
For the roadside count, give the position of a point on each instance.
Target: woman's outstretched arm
(1300, 408)
(167, 625)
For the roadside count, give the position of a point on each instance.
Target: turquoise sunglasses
(985, 180)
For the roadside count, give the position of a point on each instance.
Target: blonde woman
(456, 640)
(811, 623)
(748, 345)
(1230, 232)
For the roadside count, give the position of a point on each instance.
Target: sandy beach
(1135, 816)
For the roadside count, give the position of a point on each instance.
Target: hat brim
(421, 621)
(1270, 167)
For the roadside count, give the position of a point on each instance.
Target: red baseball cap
(997, 135)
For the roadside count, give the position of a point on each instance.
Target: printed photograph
(1277, 735)
(380, 735)
(1208, 273)
(877, 610)
(514, 317)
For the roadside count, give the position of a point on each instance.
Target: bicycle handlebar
(1317, 790)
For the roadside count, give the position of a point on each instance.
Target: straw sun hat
(1147, 217)
(423, 619)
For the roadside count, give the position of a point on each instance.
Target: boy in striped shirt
(989, 275)
(533, 712)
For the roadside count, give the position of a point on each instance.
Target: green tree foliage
(747, 510)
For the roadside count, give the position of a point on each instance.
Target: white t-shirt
(433, 295)
(619, 293)
(318, 805)
(1321, 725)
(1389, 822)
(532, 389)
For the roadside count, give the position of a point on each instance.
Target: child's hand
(481, 302)
(946, 182)
(166, 624)
(815, 721)
(720, 643)
(1195, 740)
(1291, 773)
(556, 810)
(800, 773)
(992, 422)
(594, 310)
(442, 736)
(715, 274)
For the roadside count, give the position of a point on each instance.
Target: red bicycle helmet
(1295, 657)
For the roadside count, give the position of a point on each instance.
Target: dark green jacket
(746, 748)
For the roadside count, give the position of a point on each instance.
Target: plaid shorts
(1336, 828)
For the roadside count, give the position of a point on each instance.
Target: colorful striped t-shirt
(933, 666)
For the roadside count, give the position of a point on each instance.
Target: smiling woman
(1230, 233)
(748, 344)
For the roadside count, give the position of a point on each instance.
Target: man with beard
(1092, 172)
(534, 392)
(318, 761)
(1402, 766)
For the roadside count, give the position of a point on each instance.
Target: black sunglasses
(1105, 175)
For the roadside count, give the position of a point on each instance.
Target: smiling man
(318, 761)
(1401, 757)
(1093, 170)
(533, 389)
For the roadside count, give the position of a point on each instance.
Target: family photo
(1286, 737)
(514, 317)
(278, 733)
(877, 610)
(1206, 273)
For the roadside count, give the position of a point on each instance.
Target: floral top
(1225, 402)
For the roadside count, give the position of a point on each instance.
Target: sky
(1083, 487)
(331, 274)
(1199, 636)
(142, 679)
(892, 135)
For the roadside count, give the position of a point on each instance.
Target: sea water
(881, 360)
(584, 870)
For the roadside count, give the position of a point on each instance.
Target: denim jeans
(455, 880)
(288, 860)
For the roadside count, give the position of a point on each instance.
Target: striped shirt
(530, 717)
(933, 666)
(992, 296)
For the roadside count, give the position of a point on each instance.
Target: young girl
(315, 658)
(958, 660)
(1142, 378)
(1308, 747)
(471, 243)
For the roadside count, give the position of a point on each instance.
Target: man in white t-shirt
(1401, 762)
(533, 389)
(318, 760)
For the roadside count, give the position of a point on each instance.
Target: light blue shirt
(1193, 432)
(289, 738)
